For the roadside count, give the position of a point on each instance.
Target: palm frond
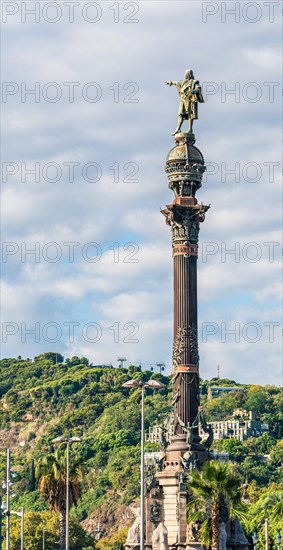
(51, 474)
(205, 532)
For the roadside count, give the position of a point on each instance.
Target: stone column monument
(166, 497)
(184, 167)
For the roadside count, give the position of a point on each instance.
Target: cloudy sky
(88, 122)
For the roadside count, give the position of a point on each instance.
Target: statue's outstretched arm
(171, 82)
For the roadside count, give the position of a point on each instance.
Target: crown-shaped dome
(185, 166)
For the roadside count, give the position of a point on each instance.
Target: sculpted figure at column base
(160, 538)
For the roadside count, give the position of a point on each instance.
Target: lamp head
(153, 384)
(64, 438)
(132, 384)
(59, 439)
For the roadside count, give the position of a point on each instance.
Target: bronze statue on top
(190, 93)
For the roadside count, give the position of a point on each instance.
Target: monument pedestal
(166, 503)
(173, 514)
(173, 502)
(172, 480)
(174, 507)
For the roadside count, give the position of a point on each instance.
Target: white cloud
(268, 59)
(108, 132)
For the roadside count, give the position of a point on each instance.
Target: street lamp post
(22, 528)
(1, 520)
(5, 508)
(21, 515)
(142, 468)
(67, 494)
(8, 482)
(68, 440)
(43, 534)
(153, 384)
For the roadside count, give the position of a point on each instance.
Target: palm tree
(269, 504)
(217, 485)
(51, 475)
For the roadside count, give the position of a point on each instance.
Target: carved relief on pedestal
(155, 512)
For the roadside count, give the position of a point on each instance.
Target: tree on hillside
(215, 487)
(221, 382)
(75, 360)
(234, 447)
(221, 407)
(258, 399)
(276, 453)
(50, 356)
(51, 475)
(275, 422)
(113, 542)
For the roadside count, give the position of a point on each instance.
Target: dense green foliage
(266, 401)
(35, 523)
(44, 399)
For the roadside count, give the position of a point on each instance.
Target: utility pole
(1, 519)
(121, 360)
(43, 534)
(8, 481)
(21, 515)
(67, 493)
(218, 372)
(161, 366)
(22, 528)
(67, 440)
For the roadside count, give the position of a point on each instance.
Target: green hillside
(42, 400)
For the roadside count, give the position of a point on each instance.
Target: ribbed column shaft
(186, 384)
